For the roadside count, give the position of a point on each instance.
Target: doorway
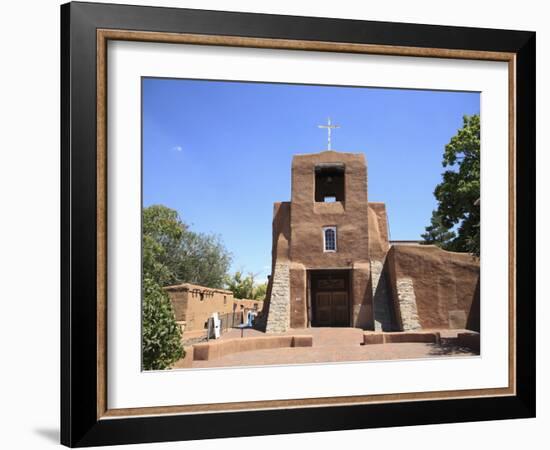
(330, 299)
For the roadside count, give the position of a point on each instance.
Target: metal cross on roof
(329, 128)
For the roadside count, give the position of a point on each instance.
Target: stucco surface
(308, 217)
(399, 287)
(445, 284)
(378, 230)
(298, 295)
(194, 304)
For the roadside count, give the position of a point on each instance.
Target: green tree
(260, 291)
(241, 286)
(173, 254)
(246, 286)
(161, 335)
(458, 193)
(203, 260)
(163, 232)
(436, 233)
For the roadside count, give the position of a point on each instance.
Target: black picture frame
(80, 425)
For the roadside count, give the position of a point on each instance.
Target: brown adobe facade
(193, 305)
(333, 265)
(246, 304)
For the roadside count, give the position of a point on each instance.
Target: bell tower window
(329, 182)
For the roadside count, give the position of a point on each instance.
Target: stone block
(278, 320)
(407, 304)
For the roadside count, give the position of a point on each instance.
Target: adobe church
(334, 266)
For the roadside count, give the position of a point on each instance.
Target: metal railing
(230, 320)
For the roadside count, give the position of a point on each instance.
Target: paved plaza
(329, 345)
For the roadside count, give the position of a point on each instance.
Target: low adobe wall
(217, 349)
(242, 304)
(401, 337)
(433, 288)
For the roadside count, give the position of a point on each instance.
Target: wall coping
(216, 349)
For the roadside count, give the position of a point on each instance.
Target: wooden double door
(330, 299)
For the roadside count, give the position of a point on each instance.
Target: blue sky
(220, 152)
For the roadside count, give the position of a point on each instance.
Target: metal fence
(230, 320)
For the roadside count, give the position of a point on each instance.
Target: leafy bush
(161, 336)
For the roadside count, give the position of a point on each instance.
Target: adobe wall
(298, 296)
(378, 248)
(178, 299)
(276, 309)
(362, 307)
(194, 304)
(281, 232)
(378, 231)
(298, 242)
(241, 304)
(433, 288)
(308, 217)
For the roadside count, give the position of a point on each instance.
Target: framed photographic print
(277, 224)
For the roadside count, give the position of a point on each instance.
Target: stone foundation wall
(406, 300)
(278, 320)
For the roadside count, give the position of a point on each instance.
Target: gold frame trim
(103, 36)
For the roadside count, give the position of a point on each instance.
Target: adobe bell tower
(321, 266)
